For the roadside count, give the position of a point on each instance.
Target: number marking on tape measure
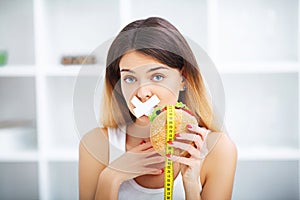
(168, 178)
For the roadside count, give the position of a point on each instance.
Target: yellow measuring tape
(168, 178)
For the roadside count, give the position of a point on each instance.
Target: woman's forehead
(150, 68)
(138, 62)
(135, 59)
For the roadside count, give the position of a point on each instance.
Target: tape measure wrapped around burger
(158, 129)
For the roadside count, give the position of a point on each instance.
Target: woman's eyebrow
(156, 68)
(127, 70)
(150, 70)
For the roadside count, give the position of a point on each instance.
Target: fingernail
(142, 142)
(177, 135)
(162, 171)
(168, 155)
(170, 142)
(189, 126)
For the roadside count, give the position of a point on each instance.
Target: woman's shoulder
(219, 166)
(221, 158)
(222, 152)
(95, 143)
(220, 142)
(95, 134)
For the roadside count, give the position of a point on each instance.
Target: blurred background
(254, 44)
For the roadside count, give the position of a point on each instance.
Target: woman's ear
(182, 84)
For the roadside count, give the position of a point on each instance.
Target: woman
(151, 58)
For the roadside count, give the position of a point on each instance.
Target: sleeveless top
(130, 189)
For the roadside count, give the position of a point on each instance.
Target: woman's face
(143, 76)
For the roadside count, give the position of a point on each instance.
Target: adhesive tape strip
(144, 108)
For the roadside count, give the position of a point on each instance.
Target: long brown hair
(158, 38)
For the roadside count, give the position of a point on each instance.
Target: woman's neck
(136, 134)
(138, 131)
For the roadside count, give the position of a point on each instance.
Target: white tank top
(130, 189)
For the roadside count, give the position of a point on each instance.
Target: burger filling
(158, 110)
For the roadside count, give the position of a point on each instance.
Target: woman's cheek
(127, 92)
(169, 95)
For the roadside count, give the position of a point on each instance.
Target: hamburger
(158, 127)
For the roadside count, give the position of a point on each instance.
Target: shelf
(17, 71)
(267, 153)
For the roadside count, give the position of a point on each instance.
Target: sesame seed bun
(158, 129)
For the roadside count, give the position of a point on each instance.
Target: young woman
(151, 58)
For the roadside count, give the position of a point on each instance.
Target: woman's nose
(144, 93)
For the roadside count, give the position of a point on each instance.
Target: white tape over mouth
(144, 108)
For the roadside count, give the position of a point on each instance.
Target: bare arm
(93, 159)
(96, 180)
(192, 191)
(108, 185)
(219, 167)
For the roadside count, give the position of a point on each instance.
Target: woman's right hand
(139, 160)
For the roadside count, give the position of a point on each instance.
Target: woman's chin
(143, 120)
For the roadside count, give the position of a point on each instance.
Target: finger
(186, 147)
(182, 160)
(155, 171)
(191, 137)
(145, 145)
(142, 154)
(198, 130)
(157, 165)
(152, 154)
(150, 150)
(188, 136)
(142, 147)
(149, 153)
(154, 160)
(149, 170)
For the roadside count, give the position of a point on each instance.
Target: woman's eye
(129, 79)
(158, 77)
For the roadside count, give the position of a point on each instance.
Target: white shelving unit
(255, 45)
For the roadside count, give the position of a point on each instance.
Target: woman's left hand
(191, 166)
